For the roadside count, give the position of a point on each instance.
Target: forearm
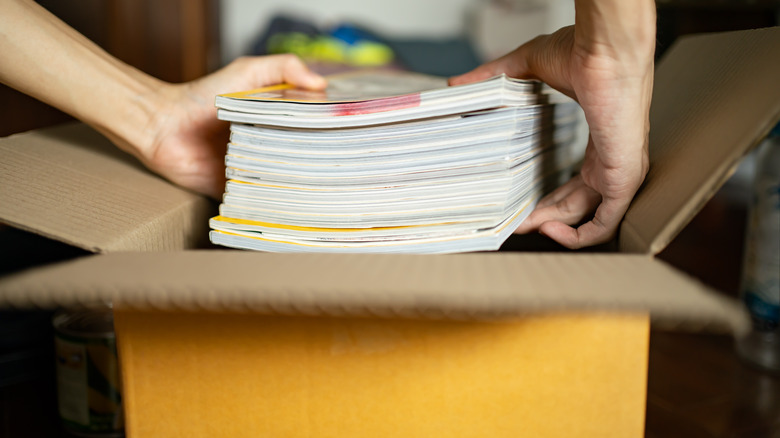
(48, 60)
(623, 30)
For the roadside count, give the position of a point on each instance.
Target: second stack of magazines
(390, 162)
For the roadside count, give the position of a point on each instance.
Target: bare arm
(171, 128)
(605, 62)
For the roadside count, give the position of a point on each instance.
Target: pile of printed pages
(390, 162)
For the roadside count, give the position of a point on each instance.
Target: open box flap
(464, 286)
(71, 184)
(715, 97)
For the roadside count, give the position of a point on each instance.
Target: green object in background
(362, 53)
(370, 53)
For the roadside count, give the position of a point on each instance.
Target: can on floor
(88, 379)
(761, 267)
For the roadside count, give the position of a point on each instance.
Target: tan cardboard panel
(715, 97)
(465, 286)
(71, 184)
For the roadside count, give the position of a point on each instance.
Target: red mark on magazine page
(377, 106)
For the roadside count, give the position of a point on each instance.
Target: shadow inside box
(28, 395)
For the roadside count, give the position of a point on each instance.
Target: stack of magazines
(390, 162)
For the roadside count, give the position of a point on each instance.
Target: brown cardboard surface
(227, 343)
(71, 184)
(716, 96)
(221, 375)
(464, 286)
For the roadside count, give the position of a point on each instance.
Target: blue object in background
(351, 34)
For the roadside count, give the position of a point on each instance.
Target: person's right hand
(613, 85)
(172, 128)
(186, 142)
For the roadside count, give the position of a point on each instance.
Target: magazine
(412, 166)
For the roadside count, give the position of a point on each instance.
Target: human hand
(187, 143)
(172, 128)
(613, 86)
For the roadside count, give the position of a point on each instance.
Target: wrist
(618, 30)
(129, 113)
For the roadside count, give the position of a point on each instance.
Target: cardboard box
(230, 343)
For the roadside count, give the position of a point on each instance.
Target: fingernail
(317, 81)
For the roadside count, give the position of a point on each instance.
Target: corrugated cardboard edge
(69, 183)
(716, 96)
(465, 286)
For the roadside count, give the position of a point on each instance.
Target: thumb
(276, 69)
(294, 71)
(546, 58)
(513, 64)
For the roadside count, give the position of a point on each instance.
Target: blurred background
(697, 387)
(180, 40)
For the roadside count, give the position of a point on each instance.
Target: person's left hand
(614, 90)
(187, 143)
